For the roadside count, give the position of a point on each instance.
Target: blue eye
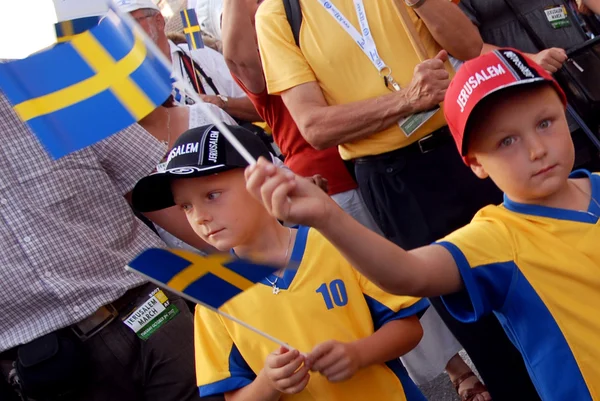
(545, 124)
(186, 207)
(213, 195)
(509, 140)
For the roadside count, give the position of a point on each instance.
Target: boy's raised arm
(424, 272)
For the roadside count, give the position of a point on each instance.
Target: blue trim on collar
(563, 214)
(283, 283)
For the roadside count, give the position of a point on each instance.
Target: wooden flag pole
(190, 46)
(411, 31)
(195, 72)
(225, 315)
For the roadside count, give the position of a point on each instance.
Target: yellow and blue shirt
(329, 56)
(538, 269)
(323, 299)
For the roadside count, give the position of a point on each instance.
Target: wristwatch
(225, 100)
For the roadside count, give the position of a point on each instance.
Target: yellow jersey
(324, 299)
(538, 269)
(329, 56)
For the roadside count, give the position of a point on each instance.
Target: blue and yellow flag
(191, 28)
(66, 30)
(210, 280)
(88, 88)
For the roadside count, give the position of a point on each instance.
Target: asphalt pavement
(440, 388)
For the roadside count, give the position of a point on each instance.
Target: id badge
(151, 315)
(412, 123)
(557, 17)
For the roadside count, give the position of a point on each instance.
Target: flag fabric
(211, 280)
(191, 29)
(88, 88)
(66, 30)
(177, 90)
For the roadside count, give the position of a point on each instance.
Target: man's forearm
(593, 5)
(451, 28)
(325, 126)
(242, 109)
(486, 48)
(236, 25)
(239, 46)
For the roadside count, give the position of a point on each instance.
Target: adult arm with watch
(237, 107)
(228, 96)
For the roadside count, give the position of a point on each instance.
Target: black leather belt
(98, 320)
(431, 142)
(104, 315)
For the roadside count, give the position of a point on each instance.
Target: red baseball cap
(482, 76)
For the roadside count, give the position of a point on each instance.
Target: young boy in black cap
(352, 332)
(534, 261)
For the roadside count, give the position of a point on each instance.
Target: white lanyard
(364, 41)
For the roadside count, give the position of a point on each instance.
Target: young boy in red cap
(534, 261)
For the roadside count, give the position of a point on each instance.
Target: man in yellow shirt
(357, 82)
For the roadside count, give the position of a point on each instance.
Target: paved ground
(441, 389)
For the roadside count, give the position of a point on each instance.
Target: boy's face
(522, 141)
(219, 208)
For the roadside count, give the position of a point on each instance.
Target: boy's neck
(574, 195)
(272, 245)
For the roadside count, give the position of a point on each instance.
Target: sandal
(470, 393)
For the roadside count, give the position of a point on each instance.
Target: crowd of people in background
(347, 93)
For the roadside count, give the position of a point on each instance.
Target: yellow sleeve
(484, 253)
(386, 307)
(219, 365)
(283, 62)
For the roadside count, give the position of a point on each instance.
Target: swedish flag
(66, 30)
(191, 28)
(84, 90)
(211, 280)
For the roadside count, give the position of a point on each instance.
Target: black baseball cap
(198, 152)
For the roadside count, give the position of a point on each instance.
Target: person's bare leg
(456, 368)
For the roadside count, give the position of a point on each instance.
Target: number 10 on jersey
(334, 293)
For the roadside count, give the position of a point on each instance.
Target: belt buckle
(92, 325)
(422, 141)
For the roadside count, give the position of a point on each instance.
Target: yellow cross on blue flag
(191, 28)
(210, 280)
(66, 30)
(88, 88)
